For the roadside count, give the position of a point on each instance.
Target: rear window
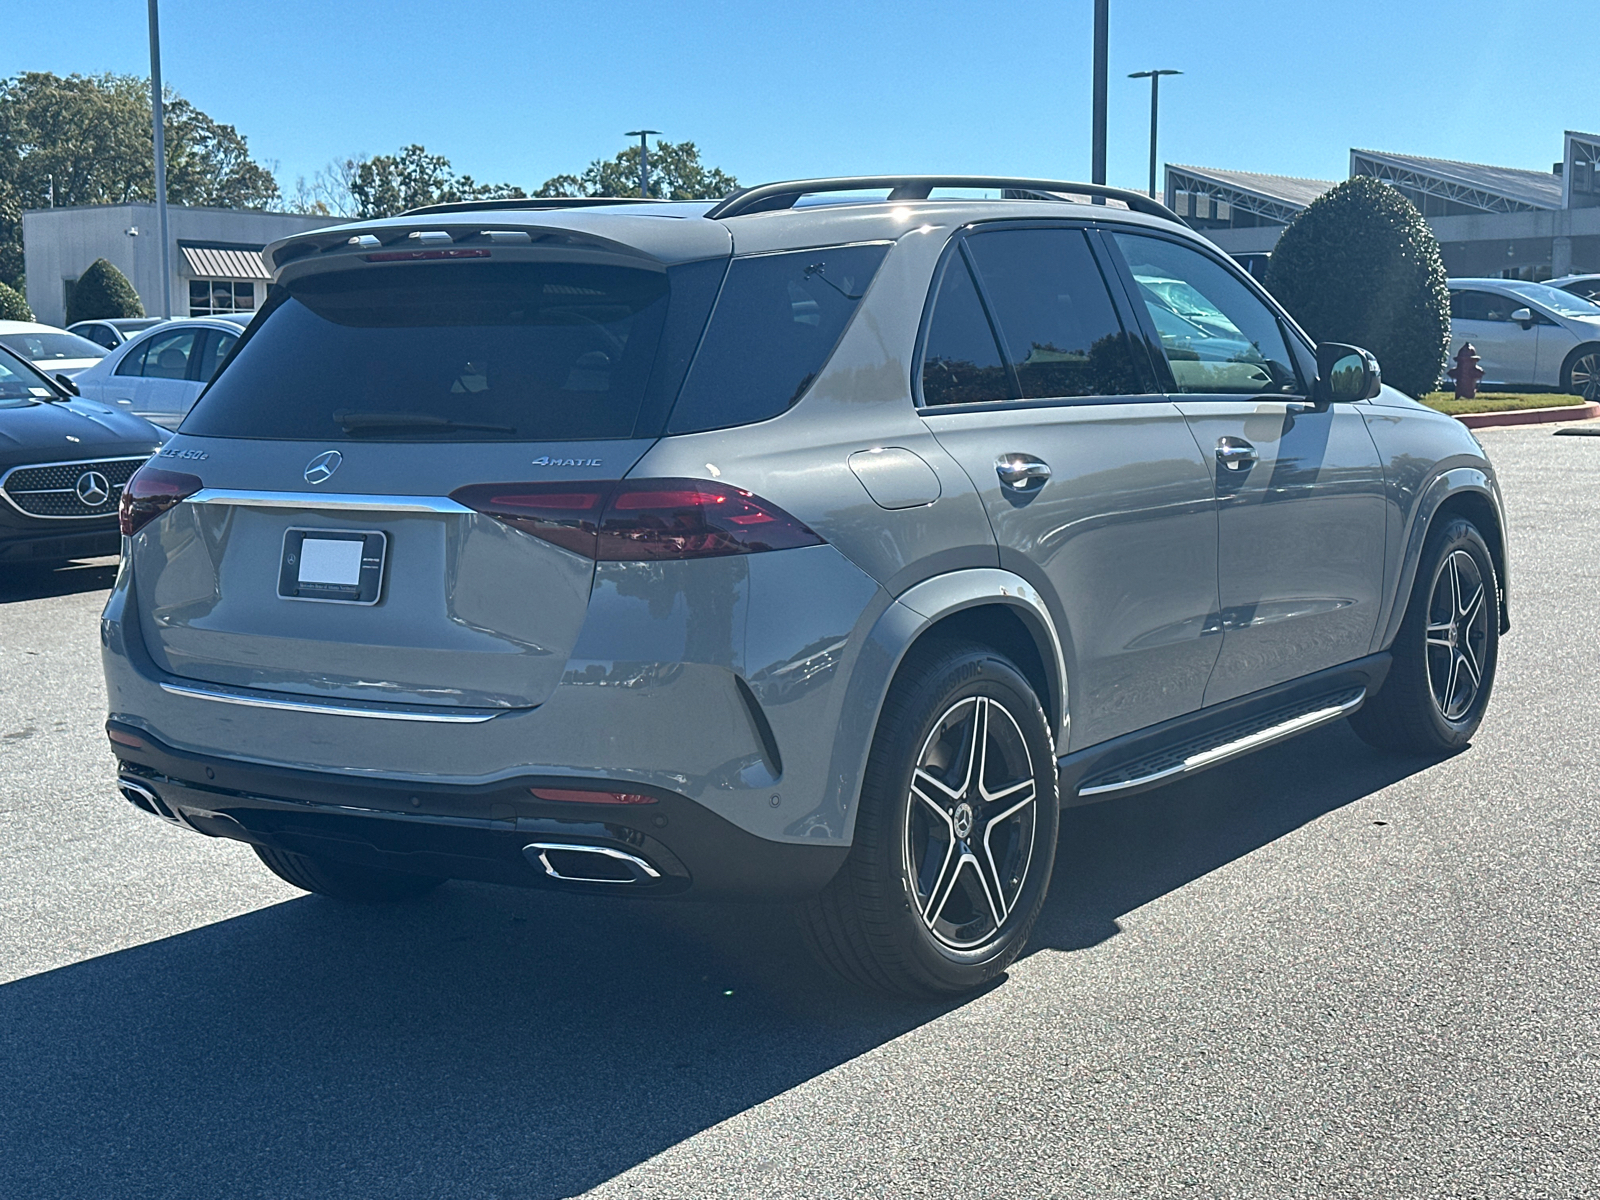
(461, 352)
(776, 322)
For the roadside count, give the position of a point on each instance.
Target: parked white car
(1587, 286)
(159, 374)
(111, 332)
(1527, 335)
(54, 351)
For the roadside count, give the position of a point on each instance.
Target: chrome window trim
(323, 708)
(340, 501)
(77, 462)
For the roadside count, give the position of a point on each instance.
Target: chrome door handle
(1236, 454)
(1022, 472)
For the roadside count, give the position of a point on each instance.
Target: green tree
(676, 173)
(394, 183)
(102, 291)
(12, 306)
(10, 237)
(1361, 265)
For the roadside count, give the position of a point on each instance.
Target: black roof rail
(772, 197)
(524, 203)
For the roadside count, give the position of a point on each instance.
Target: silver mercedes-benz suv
(817, 544)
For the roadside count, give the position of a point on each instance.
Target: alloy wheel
(1585, 376)
(971, 817)
(1457, 635)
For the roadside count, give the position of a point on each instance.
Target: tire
(344, 881)
(1446, 652)
(949, 866)
(1580, 374)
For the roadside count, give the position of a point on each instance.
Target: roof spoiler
(530, 203)
(774, 197)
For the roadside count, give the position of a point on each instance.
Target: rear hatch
(323, 554)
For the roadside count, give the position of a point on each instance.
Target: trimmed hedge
(102, 291)
(1361, 265)
(12, 305)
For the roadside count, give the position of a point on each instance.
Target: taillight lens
(639, 520)
(575, 796)
(150, 493)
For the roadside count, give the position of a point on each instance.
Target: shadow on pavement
(18, 582)
(495, 1042)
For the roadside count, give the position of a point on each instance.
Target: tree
(102, 291)
(1361, 265)
(12, 306)
(676, 173)
(394, 183)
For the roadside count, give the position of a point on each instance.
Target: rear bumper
(479, 832)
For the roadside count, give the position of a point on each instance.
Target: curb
(1530, 416)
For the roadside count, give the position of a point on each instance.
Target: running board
(1232, 741)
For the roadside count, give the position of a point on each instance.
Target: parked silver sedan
(158, 374)
(1527, 335)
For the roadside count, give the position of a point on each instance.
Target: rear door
(1299, 494)
(1091, 480)
(163, 371)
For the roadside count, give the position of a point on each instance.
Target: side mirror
(1523, 317)
(1345, 374)
(66, 382)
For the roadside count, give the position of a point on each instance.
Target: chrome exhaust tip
(573, 863)
(144, 798)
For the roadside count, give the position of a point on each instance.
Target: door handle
(1236, 454)
(1022, 472)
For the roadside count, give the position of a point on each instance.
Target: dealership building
(215, 254)
(1490, 221)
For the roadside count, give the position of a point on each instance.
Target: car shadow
(486, 1041)
(18, 582)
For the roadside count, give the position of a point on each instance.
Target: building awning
(208, 262)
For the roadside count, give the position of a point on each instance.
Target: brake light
(639, 520)
(150, 493)
(575, 796)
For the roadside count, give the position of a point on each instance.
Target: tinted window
(1481, 306)
(43, 347)
(776, 322)
(100, 335)
(961, 363)
(217, 345)
(1219, 337)
(1054, 314)
(449, 351)
(161, 356)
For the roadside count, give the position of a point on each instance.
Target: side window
(100, 335)
(133, 361)
(961, 363)
(775, 324)
(166, 355)
(1054, 315)
(217, 345)
(1480, 306)
(1217, 334)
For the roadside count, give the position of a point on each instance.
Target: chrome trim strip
(643, 869)
(435, 716)
(337, 501)
(1234, 749)
(77, 462)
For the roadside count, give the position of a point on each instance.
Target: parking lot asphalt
(1322, 972)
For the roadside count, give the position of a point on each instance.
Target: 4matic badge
(544, 460)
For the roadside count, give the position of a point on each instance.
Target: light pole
(1102, 24)
(644, 156)
(1155, 101)
(161, 161)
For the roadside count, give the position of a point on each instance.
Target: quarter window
(221, 296)
(961, 364)
(1218, 336)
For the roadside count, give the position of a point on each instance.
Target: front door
(1091, 480)
(165, 386)
(1508, 353)
(1300, 494)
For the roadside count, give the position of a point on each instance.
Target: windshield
(540, 351)
(1554, 299)
(20, 384)
(45, 347)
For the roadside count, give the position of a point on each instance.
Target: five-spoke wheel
(1457, 634)
(1582, 374)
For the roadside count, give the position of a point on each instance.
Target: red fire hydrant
(1467, 373)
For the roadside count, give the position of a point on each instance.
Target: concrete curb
(1530, 416)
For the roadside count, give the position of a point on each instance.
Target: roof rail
(771, 197)
(525, 203)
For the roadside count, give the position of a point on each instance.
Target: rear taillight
(150, 493)
(576, 796)
(638, 520)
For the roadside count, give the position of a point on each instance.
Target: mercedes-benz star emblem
(93, 489)
(322, 467)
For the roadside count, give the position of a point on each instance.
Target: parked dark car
(63, 464)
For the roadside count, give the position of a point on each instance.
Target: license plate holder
(341, 566)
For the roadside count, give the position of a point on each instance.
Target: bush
(102, 291)
(12, 306)
(1360, 265)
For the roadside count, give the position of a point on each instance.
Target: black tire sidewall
(1456, 534)
(1572, 361)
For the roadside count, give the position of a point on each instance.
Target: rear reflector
(639, 520)
(124, 739)
(150, 493)
(577, 796)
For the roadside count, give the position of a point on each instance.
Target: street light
(1097, 122)
(160, 161)
(644, 159)
(1155, 93)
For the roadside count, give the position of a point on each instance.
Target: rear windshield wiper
(354, 422)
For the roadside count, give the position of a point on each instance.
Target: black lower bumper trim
(477, 833)
(58, 547)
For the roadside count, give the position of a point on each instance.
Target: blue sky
(520, 92)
